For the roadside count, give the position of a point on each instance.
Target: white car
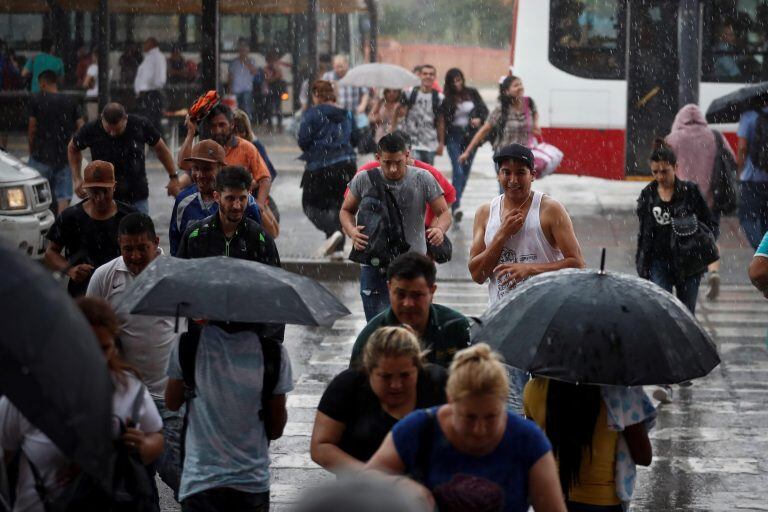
(25, 198)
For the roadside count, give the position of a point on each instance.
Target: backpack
(723, 182)
(383, 223)
(132, 482)
(410, 101)
(271, 337)
(497, 130)
(758, 146)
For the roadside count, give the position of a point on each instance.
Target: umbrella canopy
(51, 366)
(378, 74)
(728, 108)
(588, 327)
(230, 290)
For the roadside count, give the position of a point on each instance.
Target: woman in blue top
(472, 454)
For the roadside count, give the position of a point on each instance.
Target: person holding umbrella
(472, 449)
(577, 421)
(359, 407)
(44, 471)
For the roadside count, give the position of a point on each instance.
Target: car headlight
(13, 198)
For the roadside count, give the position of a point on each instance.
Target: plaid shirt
(348, 97)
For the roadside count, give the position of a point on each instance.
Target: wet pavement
(710, 444)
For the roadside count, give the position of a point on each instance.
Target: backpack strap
(272, 354)
(435, 105)
(188, 344)
(40, 489)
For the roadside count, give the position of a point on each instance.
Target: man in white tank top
(519, 234)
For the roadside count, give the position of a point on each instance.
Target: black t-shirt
(349, 399)
(56, 115)
(661, 211)
(125, 152)
(86, 240)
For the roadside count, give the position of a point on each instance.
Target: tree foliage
(468, 22)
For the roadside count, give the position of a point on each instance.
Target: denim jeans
(59, 178)
(142, 205)
(687, 290)
(424, 155)
(169, 463)
(455, 145)
(753, 210)
(225, 499)
(373, 291)
(517, 381)
(245, 102)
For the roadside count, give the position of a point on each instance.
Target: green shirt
(42, 62)
(447, 332)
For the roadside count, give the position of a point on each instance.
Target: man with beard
(239, 152)
(196, 201)
(229, 232)
(119, 138)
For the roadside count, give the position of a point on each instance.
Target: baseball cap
(99, 174)
(207, 150)
(515, 152)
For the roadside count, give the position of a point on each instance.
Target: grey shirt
(226, 442)
(413, 192)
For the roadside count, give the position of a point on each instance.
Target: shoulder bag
(723, 183)
(546, 156)
(693, 246)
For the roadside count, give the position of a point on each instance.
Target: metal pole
(373, 16)
(209, 53)
(105, 95)
(311, 27)
(689, 51)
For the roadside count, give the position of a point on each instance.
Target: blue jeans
(455, 145)
(59, 178)
(687, 290)
(245, 102)
(753, 210)
(142, 205)
(169, 463)
(225, 499)
(517, 381)
(424, 155)
(373, 291)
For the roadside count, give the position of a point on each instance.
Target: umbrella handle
(602, 262)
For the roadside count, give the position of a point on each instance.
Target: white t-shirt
(420, 122)
(93, 72)
(147, 340)
(463, 109)
(16, 432)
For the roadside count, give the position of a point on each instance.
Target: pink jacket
(695, 146)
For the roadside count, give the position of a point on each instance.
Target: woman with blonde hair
(360, 407)
(472, 454)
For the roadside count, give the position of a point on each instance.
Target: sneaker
(458, 215)
(714, 286)
(330, 245)
(663, 394)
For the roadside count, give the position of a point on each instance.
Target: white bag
(546, 158)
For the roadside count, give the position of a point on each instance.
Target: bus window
(587, 37)
(163, 27)
(21, 31)
(735, 42)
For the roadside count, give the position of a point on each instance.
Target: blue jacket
(189, 207)
(325, 136)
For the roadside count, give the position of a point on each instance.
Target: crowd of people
(432, 414)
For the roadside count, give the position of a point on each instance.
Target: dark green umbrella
(728, 108)
(592, 327)
(51, 366)
(230, 290)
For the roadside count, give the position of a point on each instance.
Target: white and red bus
(571, 55)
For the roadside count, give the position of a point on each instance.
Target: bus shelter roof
(187, 6)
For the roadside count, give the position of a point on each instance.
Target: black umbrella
(591, 327)
(51, 367)
(728, 108)
(230, 290)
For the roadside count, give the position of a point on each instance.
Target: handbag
(441, 253)
(723, 182)
(693, 246)
(546, 157)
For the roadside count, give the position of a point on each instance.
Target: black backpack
(723, 182)
(271, 337)
(132, 482)
(383, 223)
(410, 101)
(758, 146)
